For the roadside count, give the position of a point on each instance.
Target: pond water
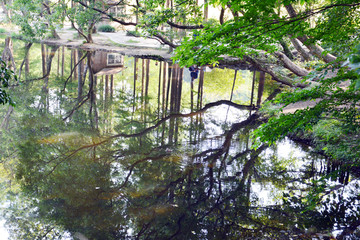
(128, 148)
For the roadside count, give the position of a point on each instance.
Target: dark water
(112, 152)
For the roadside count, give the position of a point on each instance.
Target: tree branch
(183, 26)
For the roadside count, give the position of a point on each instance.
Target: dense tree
(38, 18)
(5, 76)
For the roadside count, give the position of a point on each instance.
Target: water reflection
(106, 146)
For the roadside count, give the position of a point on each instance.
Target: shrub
(133, 33)
(106, 28)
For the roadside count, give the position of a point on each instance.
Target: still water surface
(111, 151)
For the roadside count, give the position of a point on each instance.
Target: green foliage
(5, 76)
(354, 60)
(2, 30)
(84, 18)
(262, 24)
(106, 28)
(333, 102)
(37, 18)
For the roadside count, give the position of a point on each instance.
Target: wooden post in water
(261, 87)
(233, 86)
(80, 80)
(164, 90)
(180, 77)
(252, 89)
(58, 63)
(135, 79)
(111, 87)
(62, 61)
(200, 89)
(75, 62)
(179, 80)
(173, 89)
(159, 90)
(147, 79)
(71, 62)
(168, 86)
(191, 95)
(106, 91)
(142, 80)
(27, 65)
(43, 59)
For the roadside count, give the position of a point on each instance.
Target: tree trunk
(302, 51)
(317, 50)
(286, 49)
(276, 76)
(6, 10)
(26, 60)
(8, 54)
(221, 17)
(291, 66)
(5, 122)
(314, 48)
(206, 10)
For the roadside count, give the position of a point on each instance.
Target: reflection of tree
(71, 182)
(196, 201)
(169, 177)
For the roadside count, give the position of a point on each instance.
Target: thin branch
(77, 29)
(108, 15)
(73, 70)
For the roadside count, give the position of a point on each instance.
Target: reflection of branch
(234, 128)
(131, 168)
(88, 95)
(72, 154)
(179, 226)
(27, 49)
(84, 100)
(180, 115)
(48, 67)
(73, 70)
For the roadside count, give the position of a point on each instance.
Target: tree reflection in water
(143, 160)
